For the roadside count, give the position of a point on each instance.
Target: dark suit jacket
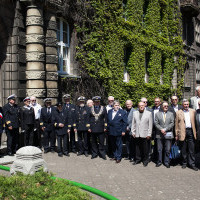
(27, 116)
(118, 124)
(11, 115)
(47, 120)
(71, 112)
(171, 109)
(98, 126)
(198, 123)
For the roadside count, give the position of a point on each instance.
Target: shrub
(39, 186)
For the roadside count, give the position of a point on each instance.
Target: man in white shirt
(174, 105)
(37, 131)
(110, 103)
(194, 100)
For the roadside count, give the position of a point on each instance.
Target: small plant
(38, 186)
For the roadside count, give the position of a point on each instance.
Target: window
(147, 58)
(63, 37)
(127, 54)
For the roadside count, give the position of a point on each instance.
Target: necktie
(164, 116)
(48, 110)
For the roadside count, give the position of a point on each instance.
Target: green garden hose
(80, 185)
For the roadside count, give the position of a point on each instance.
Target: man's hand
(43, 128)
(133, 135)
(68, 131)
(61, 125)
(75, 130)
(23, 131)
(123, 133)
(89, 130)
(10, 128)
(176, 138)
(163, 131)
(148, 137)
(105, 130)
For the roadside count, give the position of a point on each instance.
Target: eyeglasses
(165, 106)
(174, 99)
(33, 100)
(144, 101)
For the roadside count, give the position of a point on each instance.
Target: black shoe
(131, 160)
(194, 168)
(145, 164)
(168, 166)
(74, 151)
(66, 154)
(137, 162)
(86, 154)
(112, 159)
(10, 154)
(60, 155)
(79, 154)
(183, 166)
(118, 161)
(104, 158)
(158, 164)
(46, 151)
(52, 151)
(93, 157)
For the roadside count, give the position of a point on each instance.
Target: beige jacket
(180, 129)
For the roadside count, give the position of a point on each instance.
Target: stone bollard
(28, 161)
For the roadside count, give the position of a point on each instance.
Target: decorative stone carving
(52, 25)
(34, 38)
(33, 20)
(53, 59)
(35, 56)
(51, 76)
(36, 92)
(35, 74)
(51, 33)
(52, 92)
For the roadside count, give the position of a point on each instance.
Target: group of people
(101, 130)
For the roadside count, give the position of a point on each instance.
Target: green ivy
(140, 36)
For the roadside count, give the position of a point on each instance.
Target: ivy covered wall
(141, 37)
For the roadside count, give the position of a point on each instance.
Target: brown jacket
(180, 130)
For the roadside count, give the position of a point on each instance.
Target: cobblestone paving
(125, 181)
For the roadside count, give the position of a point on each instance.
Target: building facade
(38, 46)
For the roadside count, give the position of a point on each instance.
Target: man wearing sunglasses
(174, 107)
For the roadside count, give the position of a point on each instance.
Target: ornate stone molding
(34, 39)
(35, 75)
(33, 20)
(52, 76)
(36, 92)
(35, 56)
(52, 92)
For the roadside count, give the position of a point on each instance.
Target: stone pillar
(35, 57)
(51, 56)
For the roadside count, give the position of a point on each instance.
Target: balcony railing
(190, 6)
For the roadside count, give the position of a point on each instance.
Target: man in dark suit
(82, 125)
(70, 108)
(28, 123)
(47, 125)
(117, 124)
(174, 107)
(164, 122)
(1, 126)
(98, 127)
(62, 129)
(128, 138)
(11, 114)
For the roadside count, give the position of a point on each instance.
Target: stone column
(35, 57)
(51, 56)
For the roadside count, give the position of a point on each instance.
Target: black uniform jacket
(82, 115)
(1, 120)
(63, 118)
(11, 115)
(71, 111)
(27, 116)
(47, 120)
(98, 123)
